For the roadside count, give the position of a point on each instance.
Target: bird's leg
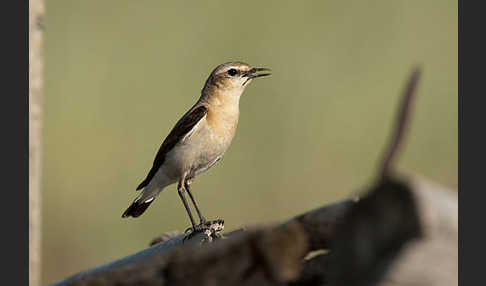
(180, 190)
(202, 220)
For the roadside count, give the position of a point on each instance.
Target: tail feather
(137, 208)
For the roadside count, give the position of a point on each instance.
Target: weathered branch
(432, 260)
(368, 249)
(401, 123)
(320, 224)
(394, 220)
(270, 254)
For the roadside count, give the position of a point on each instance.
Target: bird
(199, 139)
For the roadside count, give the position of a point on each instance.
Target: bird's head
(232, 78)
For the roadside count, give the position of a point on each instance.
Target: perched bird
(199, 139)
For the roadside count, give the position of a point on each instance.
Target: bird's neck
(223, 112)
(226, 101)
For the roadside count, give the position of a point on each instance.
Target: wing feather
(182, 129)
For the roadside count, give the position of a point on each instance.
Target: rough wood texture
(373, 233)
(36, 14)
(432, 260)
(398, 233)
(404, 233)
(401, 232)
(262, 255)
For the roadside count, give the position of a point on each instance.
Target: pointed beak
(253, 73)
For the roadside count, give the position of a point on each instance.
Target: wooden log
(433, 259)
(385, 244)
(389, 235)
(268, 255)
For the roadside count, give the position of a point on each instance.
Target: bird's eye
(232, 72)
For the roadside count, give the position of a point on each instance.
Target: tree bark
(36, 15)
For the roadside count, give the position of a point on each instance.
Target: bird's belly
(195, 156)
(202, 165)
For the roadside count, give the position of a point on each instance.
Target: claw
(211, 226)
(191, 231)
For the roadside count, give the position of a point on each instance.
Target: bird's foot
(205, 225)
(211, 229)
(203, 221)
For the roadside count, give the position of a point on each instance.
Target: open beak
(253, 73)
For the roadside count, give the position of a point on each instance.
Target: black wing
(182, 127)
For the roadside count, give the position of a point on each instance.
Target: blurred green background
(119, 74)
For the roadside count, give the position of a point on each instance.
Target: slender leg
(202, 220)
(180, 190)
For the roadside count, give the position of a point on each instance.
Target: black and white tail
(137, 208)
